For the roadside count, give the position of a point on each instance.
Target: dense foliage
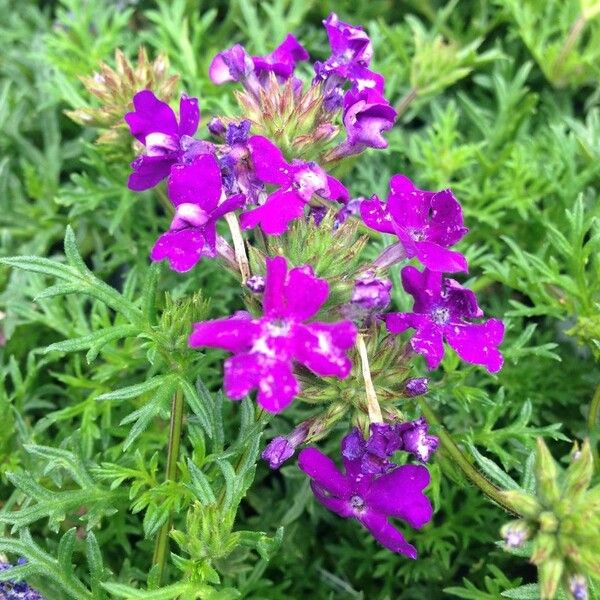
(497, 100)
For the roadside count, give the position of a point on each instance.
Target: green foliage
(497, 101)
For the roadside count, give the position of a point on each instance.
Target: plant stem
(161, 547)
(592, 421)
(372, 403)
(567, 46)
(406, 100)
(448, 444)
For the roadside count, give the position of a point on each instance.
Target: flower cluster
(306, 325)
(17, 590)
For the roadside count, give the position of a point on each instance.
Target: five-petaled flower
(370, 498)
(426, 223)
(297, 182)
(442, 310)
(265, 348)
(154, 124)
(195, 190)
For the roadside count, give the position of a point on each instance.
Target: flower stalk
(372, 403)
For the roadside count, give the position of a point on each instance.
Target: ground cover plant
(299, 299)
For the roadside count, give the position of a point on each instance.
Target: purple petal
(386, 534)
(233, 64)
(321, 347)
(269, 164)
(151, 115)
(428, 341)
(277, 386)
(425, 287)
(275, 279)
(477, 343)
(183, 248)
(399, 322)
(376, 216)
(323, 471)
(234, 334)
(367, 115)
(196, 183)
(347, 40)
(337, 191)
(282, 61)
(277, 451)
(436, 258)
(447, 226)
(461, 300)
(229, 205)
(399, 494)
(189, 115)
(339, 506)
(275, 215)
(149, 171)
(241, 374)
(305, 293)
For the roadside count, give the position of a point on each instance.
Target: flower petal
(376, 216)
(323, 471)
(151, 115)
(305, 293)
(269, 164)
(436, 258)
(183, 248)
(339, 506)
(477, 343)
(428, 341)
(275, 215)
(189, 115)
(321, 347)
(386, 534)
(234, 334)
(277, 386)
(399, 494)
(276, 275)
(196, 183)
(149, 171)
(229, 205)
(425, 287)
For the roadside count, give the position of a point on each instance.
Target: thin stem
(407, 100)
(448, 444)
(161, 547)
(567, 46)
(592, 421)
(372, 403)
(238, 246)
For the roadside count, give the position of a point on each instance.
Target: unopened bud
(550, 572)
(580, 472)
(546, 474)
(523, 503)
(515, 533)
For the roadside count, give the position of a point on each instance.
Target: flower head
(426, 223)
(196, 192)
(297, 182)
(266, 348)
(371, 295)
(443, 309)
(370, 498)
(167, 141)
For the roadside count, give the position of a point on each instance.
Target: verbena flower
(443, 309)
(370, 498)
(417, 386)
(297, 183)
(281, 448)
(282, 61)
(196, 192)
(370, 296)
(426, 223)
(265, 348)
(154, 124)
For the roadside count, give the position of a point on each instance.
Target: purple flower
(351, 53)
(155, 125)
(282, 61)
(17, 590)
(281, 448)
(265, 348)
(578, 587)
(233, 64)
(443, 310)
(371, 295)
(297, 182)
(256, 284)
(417, 386)
(195, 190)
(371, 499)
(426, 223)
(415, 439)
(367, 114)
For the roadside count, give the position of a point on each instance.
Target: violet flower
(155, 125)
(426, 223)
(281, 448)
(417, 386)
(443, 309)
(282, 61)
(416, 439)
(297, 182)
(369, 498)
(371, 295)
(266, 347)
(195, 190)
(233, 64)
(17, 590)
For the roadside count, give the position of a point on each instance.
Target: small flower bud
(216, 127)
(256, 284)
(515, 533)
(527, 505)
(578, 587)
(580, 472)
(546, 474)
(277, 451)
(417, 386)
(550, 573)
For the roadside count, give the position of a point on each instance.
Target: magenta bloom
(371, 498)
(297, 183)
(442, 310)
(282, 61)
(367, 114)
(195, 190)
(426, 223)
(233, 64)
(265, 348)
(155, 125)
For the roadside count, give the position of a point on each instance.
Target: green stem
(407, 100)
(161, 547)
(567, 46)
(448, 444)
(592, 421)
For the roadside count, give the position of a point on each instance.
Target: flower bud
(580, 472)
(515, 533)
(550, 573)
(525, 504)
(417, 386)
(546, 474)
